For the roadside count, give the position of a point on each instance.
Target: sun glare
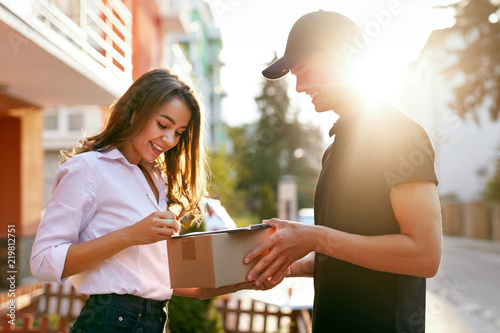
(392, 42)
(379, 74)
(376, 77)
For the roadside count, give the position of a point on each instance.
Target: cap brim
(282, 66)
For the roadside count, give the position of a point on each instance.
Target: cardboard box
(213, 259)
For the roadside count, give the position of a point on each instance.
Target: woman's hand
(156, 227)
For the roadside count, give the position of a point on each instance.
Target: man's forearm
(397, 253)
(416, 250)
(303, 267)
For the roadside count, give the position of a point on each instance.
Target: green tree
(303, 157)
(275, 145)
(477, 21)
(267, 199)
(222, 183)
(492, 188)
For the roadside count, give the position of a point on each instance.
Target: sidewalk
(464, 296)
(481, 245)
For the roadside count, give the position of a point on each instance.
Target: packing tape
(188, 249)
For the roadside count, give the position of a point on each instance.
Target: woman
(100, 227)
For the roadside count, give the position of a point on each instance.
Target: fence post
(452, 219)
(27, 322)
(477, 220)
(44, 326)
(495, 221)
(6, 324)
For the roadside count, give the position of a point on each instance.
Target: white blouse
(94, 194)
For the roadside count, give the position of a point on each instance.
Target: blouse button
(120, 318)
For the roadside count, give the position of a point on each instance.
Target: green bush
(492, 188)
(189, 315)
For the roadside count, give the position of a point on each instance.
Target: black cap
(316, 31)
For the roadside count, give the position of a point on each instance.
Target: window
(50, 121)
(75, 122)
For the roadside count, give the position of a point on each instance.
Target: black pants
(121, 313)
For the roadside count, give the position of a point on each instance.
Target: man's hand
(290, 242)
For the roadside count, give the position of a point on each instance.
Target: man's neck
(351, 105)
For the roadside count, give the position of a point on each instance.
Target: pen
(153, 202)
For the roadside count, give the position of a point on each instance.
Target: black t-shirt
(371, 153)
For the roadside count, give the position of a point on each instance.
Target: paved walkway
(464, 297)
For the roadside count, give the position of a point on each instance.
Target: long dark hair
(184, 165)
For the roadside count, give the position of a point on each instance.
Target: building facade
(200, 65)
(62, 63)
(466, 149)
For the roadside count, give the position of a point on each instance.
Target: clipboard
(223, 231)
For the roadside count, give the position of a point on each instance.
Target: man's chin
(321, 108)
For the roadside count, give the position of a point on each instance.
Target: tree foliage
(222, 184)
(492, 188)
(277, 144)
(478, 24)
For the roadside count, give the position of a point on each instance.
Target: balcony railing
(100, 29)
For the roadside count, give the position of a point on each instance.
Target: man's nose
(299, 87)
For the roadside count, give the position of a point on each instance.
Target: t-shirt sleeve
(70, 209)
(406, 154)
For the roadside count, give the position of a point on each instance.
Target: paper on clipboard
(247, 228)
